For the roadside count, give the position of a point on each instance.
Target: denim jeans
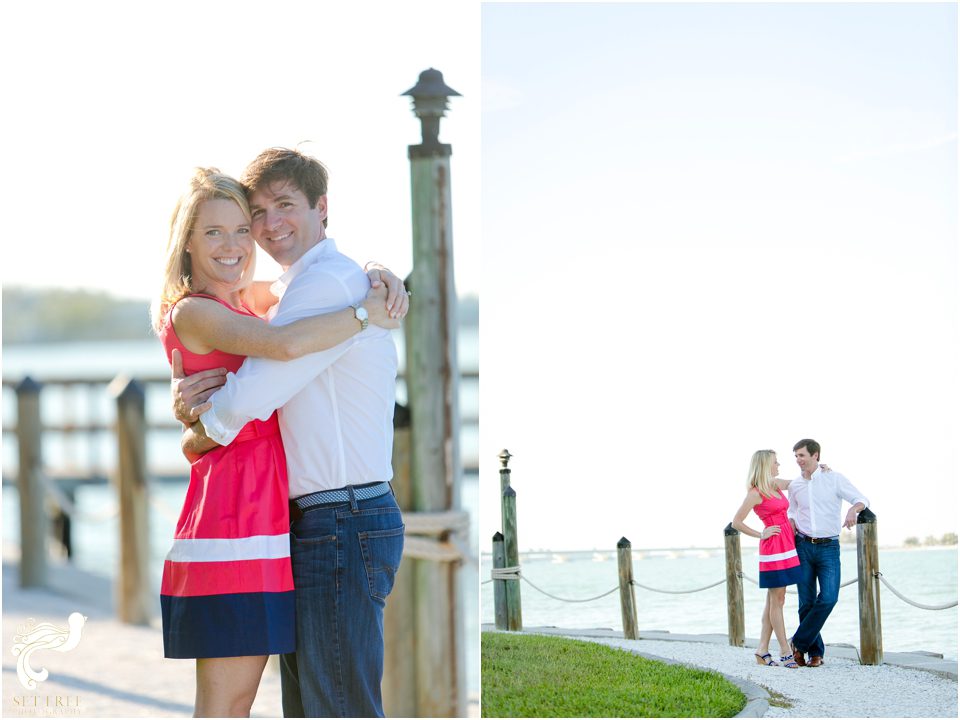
(344, 560)
(820, 562)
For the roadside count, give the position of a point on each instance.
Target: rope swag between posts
(514, 573)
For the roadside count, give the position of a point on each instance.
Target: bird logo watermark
(32, 637)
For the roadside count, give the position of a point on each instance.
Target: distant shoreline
(688, 550)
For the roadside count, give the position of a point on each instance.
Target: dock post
(499, 586)
(399, 684)
(511, 550)
(628, 596)
(34, 523)
(735, 623)
(868, 585)
(134, 596)
(432, 379)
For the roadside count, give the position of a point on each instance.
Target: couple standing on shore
(290, 534)
(799, 545)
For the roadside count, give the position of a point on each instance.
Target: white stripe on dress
(779, 556)
(257, 547)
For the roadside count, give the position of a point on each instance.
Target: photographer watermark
(32, 637)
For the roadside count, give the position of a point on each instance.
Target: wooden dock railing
(128, 472)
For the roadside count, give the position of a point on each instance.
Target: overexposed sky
(110, 105)
(717, 228)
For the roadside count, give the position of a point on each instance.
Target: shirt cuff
(216, 430)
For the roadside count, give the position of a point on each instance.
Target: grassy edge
(549, 676)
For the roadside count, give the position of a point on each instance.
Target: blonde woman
(227, 595)
(779, 563)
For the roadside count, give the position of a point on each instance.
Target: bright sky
(111, 105)
(715, 229)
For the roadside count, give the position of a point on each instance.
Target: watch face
(361, 313)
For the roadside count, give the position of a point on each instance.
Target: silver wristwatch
(360, 313)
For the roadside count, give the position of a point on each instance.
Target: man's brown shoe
(798, 656)
(815, 661)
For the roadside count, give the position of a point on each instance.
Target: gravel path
(839, 688)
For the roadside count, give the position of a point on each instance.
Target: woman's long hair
(206, 184)
(761, 473)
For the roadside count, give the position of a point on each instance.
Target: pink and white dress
(227, 587)
(779, 563)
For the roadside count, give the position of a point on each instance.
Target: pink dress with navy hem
(779, 563)
(227, 587)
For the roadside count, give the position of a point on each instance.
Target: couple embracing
(290, 534)
(799, 545)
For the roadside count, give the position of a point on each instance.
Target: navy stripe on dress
(257, 623)
(780, 578)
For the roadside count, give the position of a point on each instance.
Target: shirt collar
(322, 248)
(814, 474)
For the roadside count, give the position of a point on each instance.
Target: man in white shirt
(815, 503)
(336, 419)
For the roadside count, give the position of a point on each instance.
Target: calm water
(927, 576)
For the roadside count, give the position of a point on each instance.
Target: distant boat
(557, 559)
(599, 557)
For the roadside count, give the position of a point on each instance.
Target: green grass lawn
(538, 676)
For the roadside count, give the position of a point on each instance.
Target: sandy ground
(116, 670)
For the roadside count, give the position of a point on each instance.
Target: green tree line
(48, 315)
(34, 316)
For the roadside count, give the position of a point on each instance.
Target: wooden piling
(868, 586)
(134, 594)
(499, 586)
(399, 686)
(511, 550)
(735, 622)
(432, 378)
(34, 522)
(628, 597)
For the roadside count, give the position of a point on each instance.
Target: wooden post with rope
(868, 586)
(499, 586)
(432, 379)
(628, 596)
(735, 622)
(508, 508)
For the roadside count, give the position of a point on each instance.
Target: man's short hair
(285, 165)
(812, 446)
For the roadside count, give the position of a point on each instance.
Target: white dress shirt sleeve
(261, 386)
(849, 493)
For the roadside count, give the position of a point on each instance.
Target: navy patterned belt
(816, 541)
(340, 495)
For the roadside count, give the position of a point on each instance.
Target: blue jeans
(344, 559)
(820, 562)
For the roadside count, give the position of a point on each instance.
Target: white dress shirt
(815, 503)
(336, 406)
